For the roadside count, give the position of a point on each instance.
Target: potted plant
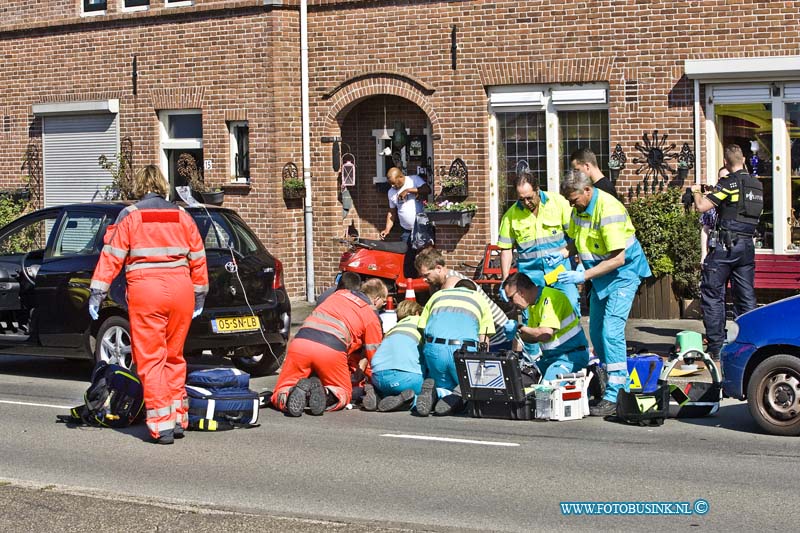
(670, 237)
(454, 186)
(446, 212)
(293, 188)
(685, 162)
(616, 162)
(187, 167)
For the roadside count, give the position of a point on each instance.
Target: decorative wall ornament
(33, 164)
(454, 183)
(348, 170)
(616, 162)
(293, 185)
(655, 163)
(685, 162)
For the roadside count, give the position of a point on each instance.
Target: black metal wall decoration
(293, 185)
(33, 165)
(453, 47)
(454, 183)
(126, 153)
(685, 162)
(616, 162)
(655, 163)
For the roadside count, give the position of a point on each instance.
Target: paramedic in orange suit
(337, 330)
(165, 268)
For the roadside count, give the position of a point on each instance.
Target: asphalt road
(366, 471)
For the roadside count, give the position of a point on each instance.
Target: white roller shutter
(71, 145)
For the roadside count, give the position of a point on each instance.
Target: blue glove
(572, 276)
(579, 268)
(502, 293)
(553, 258)
(510, 328)
(94, 311)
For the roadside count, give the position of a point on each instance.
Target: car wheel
(114, 342)
(773, 395)
(263, 361)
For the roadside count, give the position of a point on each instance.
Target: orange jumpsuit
(335, 332)
(165, 268)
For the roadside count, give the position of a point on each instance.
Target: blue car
(761, 363)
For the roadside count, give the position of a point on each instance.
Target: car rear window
(222, 232)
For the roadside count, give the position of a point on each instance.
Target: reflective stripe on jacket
(602, 228)
(554, 310)
(152, 233)
(345, 321)
(536, 236)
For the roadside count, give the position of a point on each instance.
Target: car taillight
(277, 280)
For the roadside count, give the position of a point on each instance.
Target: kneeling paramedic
(452, 318)
(396, 367)
(613, 259)
(553, 322)
(337, 329)
(165, 269)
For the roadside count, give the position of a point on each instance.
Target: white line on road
(38, 404)
(445, 439)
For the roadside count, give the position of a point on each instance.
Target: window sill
(236, 189)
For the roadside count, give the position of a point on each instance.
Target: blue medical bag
(643, 373)
(220, 399)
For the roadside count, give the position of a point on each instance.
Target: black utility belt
(454, 342)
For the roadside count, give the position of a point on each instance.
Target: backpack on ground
(114, 399)
(220, 399)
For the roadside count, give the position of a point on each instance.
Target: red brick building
(489, 83)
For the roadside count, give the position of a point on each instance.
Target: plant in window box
(446, 212)
(187, 167)
(685, 162)
(293, 188)
(454, 186)
(616, 162)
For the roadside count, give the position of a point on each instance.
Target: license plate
(234, 324)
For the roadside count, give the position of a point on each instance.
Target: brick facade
(239, 59)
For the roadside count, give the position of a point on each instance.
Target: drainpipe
(698, 152)
(308, 219)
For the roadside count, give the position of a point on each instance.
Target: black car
(46, 263)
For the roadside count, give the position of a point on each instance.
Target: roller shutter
(71, 145)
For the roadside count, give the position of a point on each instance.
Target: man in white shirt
(405, 201)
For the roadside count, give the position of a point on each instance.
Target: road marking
(38, 404)
(445, 439)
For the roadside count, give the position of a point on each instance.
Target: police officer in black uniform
(739, 200)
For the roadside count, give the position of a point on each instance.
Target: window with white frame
(764, 120)
(94, 7)
(135, 5)
(182, 147)
(239, 132)
(539, 127)
(178, 3)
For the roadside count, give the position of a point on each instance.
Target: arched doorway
(366, 128)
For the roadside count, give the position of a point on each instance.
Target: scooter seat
(397, 247)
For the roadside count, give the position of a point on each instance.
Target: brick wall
(509, 42)
(242, 59)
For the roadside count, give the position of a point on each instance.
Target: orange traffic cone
(411, 295)
(389, 304)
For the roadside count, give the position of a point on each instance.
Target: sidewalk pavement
(655, 336)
